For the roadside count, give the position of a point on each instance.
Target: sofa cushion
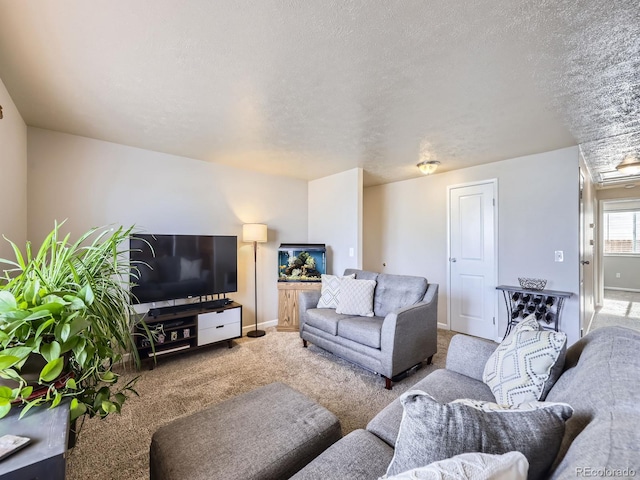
(325, 319)
(471, 466)
(394, 292)
(601, 382)
(443, 385)
(526, 364)
(535, 429)
(331, 290)
(362, 330)
(362, 274)
(356, 297)
(358, 456)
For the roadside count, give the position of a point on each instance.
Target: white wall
(13, 168)
(94, 183)
(405, 226)
(335, 218)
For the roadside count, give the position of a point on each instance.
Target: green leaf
(20, 352)
(108, 407)
(37, 315)
(108, 376)
(31, 289)
(56, 400)
(5, 407)
(26, 392)
(76, 302)
(7, 361)
(77, 411)
(6, 392)
(86, 293)
(52, 370)
(30, 405)
(71, 384)
(70, 344)
(65, 331)
(7, 301)
(46, 324)
(77, 325)
(50, 351)
(10, 374)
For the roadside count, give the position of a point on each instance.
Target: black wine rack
(545, 305)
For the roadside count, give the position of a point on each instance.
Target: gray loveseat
(601, 381)
(401, 335)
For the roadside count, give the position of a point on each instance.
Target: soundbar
(219, 303)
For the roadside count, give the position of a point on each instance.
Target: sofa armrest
(410, 335)
(307, 299)
(468, 355)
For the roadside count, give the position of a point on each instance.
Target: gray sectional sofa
(601, 381)
(401, 334)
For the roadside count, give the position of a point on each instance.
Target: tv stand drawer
(215, 319)
(219, 333)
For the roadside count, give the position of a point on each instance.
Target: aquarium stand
(288, 292)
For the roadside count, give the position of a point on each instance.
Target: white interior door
(472, 259)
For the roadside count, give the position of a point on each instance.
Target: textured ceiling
(311, 88)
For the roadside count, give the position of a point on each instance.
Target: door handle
(584, 262)
(453, 260)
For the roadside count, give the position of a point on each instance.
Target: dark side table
(546, 305)
(44, 457)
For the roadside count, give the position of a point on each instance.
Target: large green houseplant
(65, 313)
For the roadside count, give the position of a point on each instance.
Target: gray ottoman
(268, 433)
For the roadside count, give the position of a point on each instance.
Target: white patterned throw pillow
(526, 364)
(356, 297)
(331, 290)
(471, 466)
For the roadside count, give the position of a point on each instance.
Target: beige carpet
(118, 447)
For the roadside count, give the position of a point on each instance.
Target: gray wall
(13, 165)
(93, 183)
(335, 218)
(629, 269)
(405, 226)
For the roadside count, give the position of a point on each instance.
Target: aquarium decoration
(301, 262)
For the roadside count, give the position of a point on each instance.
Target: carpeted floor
(118, 447)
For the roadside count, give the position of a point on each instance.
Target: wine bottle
(526, 298)
(531, 308)
(548, 317)
(537, 299)
(550, 301)
(515, 296)
(515, 314)
(542, 308)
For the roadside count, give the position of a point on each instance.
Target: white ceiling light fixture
(630, 165)
(429, 167)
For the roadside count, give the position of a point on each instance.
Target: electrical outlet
(559, 256)
(617, 275)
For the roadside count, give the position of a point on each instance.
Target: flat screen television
(169, 267)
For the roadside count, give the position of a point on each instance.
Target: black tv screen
(169, 267)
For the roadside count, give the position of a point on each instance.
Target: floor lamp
(255, 232)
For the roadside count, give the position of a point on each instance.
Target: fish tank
(301, 262)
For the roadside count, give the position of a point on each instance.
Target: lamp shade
(254, 232)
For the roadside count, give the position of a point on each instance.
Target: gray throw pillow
(430, 431)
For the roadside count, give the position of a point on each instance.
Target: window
(622, 232)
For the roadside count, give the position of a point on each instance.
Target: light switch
(351, 252)
(559, 256)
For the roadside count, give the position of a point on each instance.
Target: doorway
(472, 258)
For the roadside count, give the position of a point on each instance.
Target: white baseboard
(443, 325)
(261, 326)
(622, 289)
